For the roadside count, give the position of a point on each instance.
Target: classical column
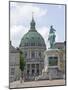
(58, 61)
(35, 70)
(40, 68)
(30, 70)
(30, 53)
(35, 54)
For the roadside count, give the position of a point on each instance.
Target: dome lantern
(32, 24)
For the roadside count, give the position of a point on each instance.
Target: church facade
(33, 46)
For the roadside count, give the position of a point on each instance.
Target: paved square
(17, 84)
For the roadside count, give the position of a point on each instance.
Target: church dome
(32, 37)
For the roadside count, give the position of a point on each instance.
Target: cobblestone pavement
(17, 84)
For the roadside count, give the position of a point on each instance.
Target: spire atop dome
(32, 15)
(32, 24)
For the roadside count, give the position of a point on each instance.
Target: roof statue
(51, 37)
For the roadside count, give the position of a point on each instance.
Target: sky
(45, 15)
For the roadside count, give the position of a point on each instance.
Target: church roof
(32, 37)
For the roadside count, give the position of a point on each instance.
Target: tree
(22, 65)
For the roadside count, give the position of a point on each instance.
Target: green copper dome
(32, 37)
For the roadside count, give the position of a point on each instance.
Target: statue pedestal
(52, 64)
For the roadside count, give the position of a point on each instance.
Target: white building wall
(14, 63)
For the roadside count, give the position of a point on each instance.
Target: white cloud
(20, 12)
(58, 38)
(16, 34)
(44, 31)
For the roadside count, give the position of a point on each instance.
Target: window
(50, 58)
(37, 71)
(37, 66)
(56, 58)
(39, 44)
(32, 54)
(32, 37)
(53, 61)
(33, 71)
(28, 66)
(33, 65)
(26, 44)
(28, 72)
(25, 54)
(32, 44)
(39, 54)
(12, 71)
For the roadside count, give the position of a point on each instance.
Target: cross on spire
(32, 14)
(32, 24)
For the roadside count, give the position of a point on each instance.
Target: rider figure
(52, 37)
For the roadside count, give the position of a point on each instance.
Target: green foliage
(22, 61)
